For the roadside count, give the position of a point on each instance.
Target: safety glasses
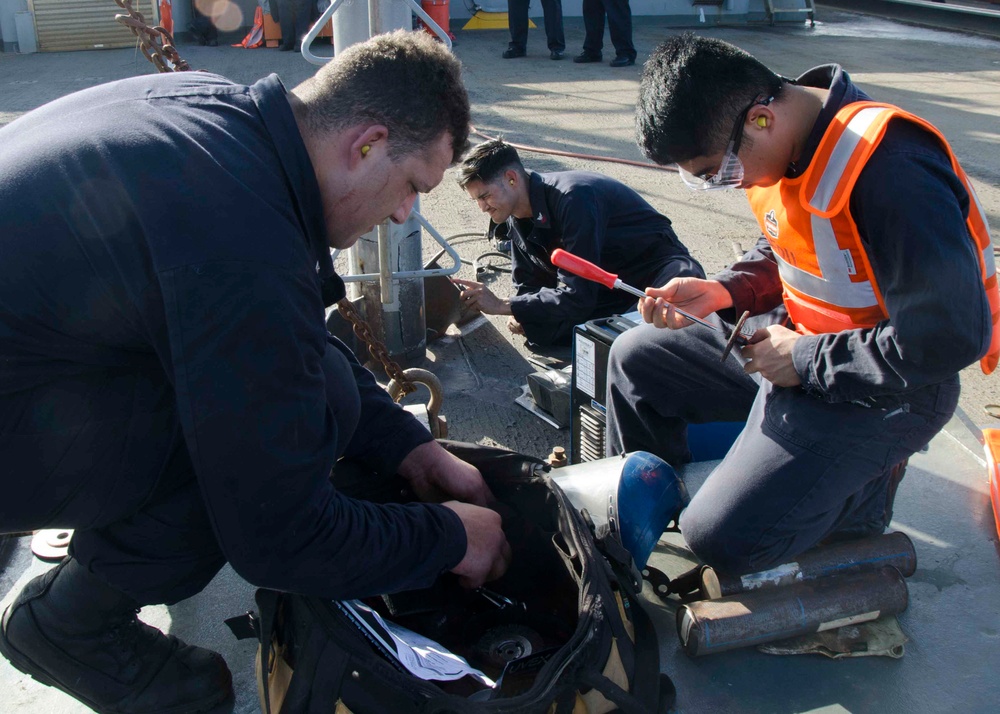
(730, 171)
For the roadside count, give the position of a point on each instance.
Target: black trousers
(295, 17)
(802, 470)
(517, 17)
(105, 455)
(619, 24)
(202, 26)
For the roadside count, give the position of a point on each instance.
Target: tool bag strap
(626, 703)
(267, 605)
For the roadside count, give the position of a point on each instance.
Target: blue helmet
(650, 496)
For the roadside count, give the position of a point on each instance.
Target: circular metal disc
(51, 544)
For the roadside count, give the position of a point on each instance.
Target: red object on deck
(440, 12)
(167, 15)
(583, 268)
(992, 439)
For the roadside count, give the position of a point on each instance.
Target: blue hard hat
(650, 496)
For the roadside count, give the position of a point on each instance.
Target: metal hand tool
(587, 270)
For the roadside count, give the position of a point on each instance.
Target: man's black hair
(691, 94)
(488, 161)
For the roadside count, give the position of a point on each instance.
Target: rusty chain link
(158, 46)
(375, 348)
(155, 42)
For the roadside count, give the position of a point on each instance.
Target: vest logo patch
(849, 262)
(771, 224)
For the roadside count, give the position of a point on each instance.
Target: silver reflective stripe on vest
(833, 286)
(841, 156)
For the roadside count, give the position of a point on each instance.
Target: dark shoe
(585, 57)
(285, 48)
(70, 630)
(212, 43)
(513, 52)
(621, 61)
(557, 54)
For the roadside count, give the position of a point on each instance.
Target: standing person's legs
(517, 20)
(293, 16)
(593, 23)
(552, 9)
(620, 28)
(803, 469)
(661, 380)
(202, 27)
(304, 12)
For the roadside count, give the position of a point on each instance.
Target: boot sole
(24, 664)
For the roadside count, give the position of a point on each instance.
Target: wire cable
(575, 155)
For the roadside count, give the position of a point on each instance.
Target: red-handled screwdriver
(587, 270)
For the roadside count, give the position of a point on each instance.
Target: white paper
(421, 656)
(586, 369)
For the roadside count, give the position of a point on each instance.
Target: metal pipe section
(752, 618)
(855, 556)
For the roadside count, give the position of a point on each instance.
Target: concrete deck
(951, 79)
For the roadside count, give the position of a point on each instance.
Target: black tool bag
(562, 631)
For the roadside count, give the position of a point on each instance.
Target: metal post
(394, 309)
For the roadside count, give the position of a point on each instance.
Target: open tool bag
(562, 631)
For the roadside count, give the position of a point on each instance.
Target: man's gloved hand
(487, 554)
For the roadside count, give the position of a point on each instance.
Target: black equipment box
(591, 345)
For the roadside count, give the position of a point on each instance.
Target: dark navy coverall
(600, 220)
(815, 461)
(167, 384)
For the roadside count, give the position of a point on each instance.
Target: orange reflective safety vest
(827, 279)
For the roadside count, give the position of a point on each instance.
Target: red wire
(591, 157)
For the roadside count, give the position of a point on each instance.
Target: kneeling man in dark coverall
(168, 387)
(587, 214)
(872, 286)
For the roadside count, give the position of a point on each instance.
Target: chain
(155, 42)
(375, 348)
(158, 46)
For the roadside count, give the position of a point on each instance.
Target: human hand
(480, 297)
(770, 354)
(487, 553)
(436, 475)
(694, 295)
(514, 326)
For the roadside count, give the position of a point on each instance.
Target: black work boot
(68, 629)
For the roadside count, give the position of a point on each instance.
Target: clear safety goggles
(730, 171)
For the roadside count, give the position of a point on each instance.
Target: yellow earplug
(365, 149)
(762, 121)
(511, 182)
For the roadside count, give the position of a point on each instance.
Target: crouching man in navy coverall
(872, 286)
(587, 214)
(167, 384)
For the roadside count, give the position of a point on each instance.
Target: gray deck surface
(951, 79)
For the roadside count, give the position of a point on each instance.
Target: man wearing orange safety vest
(871, 287)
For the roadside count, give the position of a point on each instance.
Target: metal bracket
(405, 274)
(328, 13)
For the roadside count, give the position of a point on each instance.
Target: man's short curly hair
(406, 81)
(692, 91)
